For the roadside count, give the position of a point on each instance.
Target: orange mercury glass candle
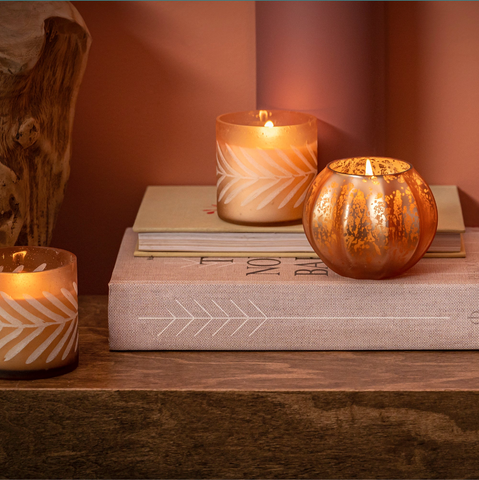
(370, 217)
(38, 312)
(266, 161)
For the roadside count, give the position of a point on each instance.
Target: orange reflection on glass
(370, 217)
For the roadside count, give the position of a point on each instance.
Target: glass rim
(307, 118)
(410, 167)
(72, 260)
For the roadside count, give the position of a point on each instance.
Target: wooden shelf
(242, 414)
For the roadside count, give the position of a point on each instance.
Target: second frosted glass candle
(266, 161)
(38, 312)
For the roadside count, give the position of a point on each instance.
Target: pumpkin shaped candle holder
(370, 217)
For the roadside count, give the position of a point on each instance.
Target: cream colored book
(182, 221)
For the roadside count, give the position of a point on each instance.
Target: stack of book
(197, 294)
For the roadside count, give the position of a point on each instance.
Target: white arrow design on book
(190, 318)
(244, 318)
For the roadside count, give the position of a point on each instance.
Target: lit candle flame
(19, 256)
(369, 168)
(269, 124)
(263, 115)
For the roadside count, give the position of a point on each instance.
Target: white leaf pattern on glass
(269, 174)
(37, 323)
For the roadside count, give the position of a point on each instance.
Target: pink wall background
(433, 93)
(393, 78)
(158, 75)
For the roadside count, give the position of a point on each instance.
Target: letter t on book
(259, 303)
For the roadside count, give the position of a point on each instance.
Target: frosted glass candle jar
(370, 217)
(38, 312)
(266, 161)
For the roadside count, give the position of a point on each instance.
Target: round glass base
(36, 374)
(296, 221)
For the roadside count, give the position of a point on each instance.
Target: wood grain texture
(43, 53)
(242, 414)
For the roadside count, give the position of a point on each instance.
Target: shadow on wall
(398, 79)
(433, 93)
(403, 81)
(334, 143)
(326, 59)
(470, 206)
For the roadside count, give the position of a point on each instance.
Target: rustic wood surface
(242, 414)
(43, 53)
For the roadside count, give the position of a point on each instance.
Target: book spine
(360, 316)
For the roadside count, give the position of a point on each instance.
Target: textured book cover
(259, 303)
(190, 209)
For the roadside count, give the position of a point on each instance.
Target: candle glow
(265, 163)
(370, 217)
(38, 312)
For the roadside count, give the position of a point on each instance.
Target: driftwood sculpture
(43, 52)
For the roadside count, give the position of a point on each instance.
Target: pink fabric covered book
(259, 303)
